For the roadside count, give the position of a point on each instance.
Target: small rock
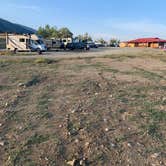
(138, 144)
(129, 145)
(2, 143)
(73, 111)
(81, 162)
(6, 104)
(87, 144)
(155, 155)
(0, 124)
(60, 126)
(71, 163)
(110, 96)
(164, 99)
(105, 120)
(96, 94)
(106, 129)
(21, 84)
(113, 145)
(76, 141)
(46, 158)
(50, 100)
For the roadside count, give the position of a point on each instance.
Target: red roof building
(147, 42)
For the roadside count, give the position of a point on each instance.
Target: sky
(123, 19)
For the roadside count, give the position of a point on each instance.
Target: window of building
(22, 40)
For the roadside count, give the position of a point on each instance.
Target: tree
(48, 32)
(114, 42)
(102, 41)
(65, 33)
(85, 37)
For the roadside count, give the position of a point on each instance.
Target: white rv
(24, 42)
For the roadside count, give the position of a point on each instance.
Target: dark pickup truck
(77, 46)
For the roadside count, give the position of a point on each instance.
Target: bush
(44, 60)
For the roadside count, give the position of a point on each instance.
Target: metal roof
(148, 40)
(8, 27)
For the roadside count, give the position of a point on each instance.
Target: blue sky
(123, 19)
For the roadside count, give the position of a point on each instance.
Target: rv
(20, 42)
(57, 43)
(54, 44)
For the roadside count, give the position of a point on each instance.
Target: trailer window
(39, 41)
(22, 40)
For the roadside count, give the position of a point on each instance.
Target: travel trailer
(54, 44)
(27, 42)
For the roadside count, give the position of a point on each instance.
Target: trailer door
(2, 43)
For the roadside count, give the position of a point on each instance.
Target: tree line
(49, 32)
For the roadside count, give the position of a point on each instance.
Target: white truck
(24, 42)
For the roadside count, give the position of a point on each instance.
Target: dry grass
(98, 111)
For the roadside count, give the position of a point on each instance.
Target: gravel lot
(92, 53)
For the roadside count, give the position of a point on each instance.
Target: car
(92, 45)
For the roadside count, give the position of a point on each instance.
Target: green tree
(85, 37)
(48, 32)
(65, 33)
(52, 32)
(114, 42)
(102, 41)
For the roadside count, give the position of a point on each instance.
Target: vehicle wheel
(15, 50)
(39, 51)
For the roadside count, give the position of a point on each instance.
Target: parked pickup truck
(77, 46)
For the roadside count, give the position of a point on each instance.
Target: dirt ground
(97, 108)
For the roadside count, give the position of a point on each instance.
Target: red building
(145, 42)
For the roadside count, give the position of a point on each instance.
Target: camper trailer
(54, 44)
(23, 42)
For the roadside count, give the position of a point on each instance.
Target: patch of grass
(153, 119)
(111, 70)
(121, 139)
(16, 61)
(153, 130)
(4, 87)
(43, 102)
(43, 106)
(44, 60)
(122, 111)
(73, 128)
(88, 60)
(19, 156)
(100, 158)
(37, 139)
(120, 56)
(149, 75)
(157, 116)
(12, 116)
(34, 81)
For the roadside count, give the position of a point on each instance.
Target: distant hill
(6, 26)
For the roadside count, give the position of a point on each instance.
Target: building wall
(123, 44)
(142, 44)
(131, 45)
(151, 45)
(154, 45)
